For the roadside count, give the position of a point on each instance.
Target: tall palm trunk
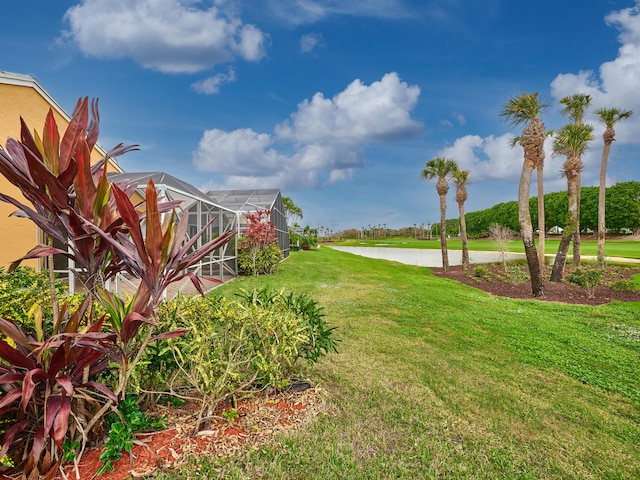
(463, 235)
(608, 140)
(576, 234)
(541, 220)
(443, 228)
(526, 228)
(560, 261)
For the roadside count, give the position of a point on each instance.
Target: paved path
(433, 258)
(425, 257)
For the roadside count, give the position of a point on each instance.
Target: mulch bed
(504, 284)
(259, 419)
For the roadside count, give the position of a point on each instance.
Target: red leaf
(132, 219)
(10, 377)
(154, 229)
(172, 334)
(14, 357)
(130, 325)
(28, 385)
(58, 409)
(10, 434)
(66, 383)
(75, 130)
(10, 397)
(101, 388)
(51, 144)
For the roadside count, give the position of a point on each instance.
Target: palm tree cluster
(571, 141)
(442, 169)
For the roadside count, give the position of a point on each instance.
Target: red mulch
(259, 419)
(505, 284)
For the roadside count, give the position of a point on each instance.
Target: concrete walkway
(433, 258)
(425, 257)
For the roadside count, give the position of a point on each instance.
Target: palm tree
(574, 108)
(441, 168)
(608, 116)
(525, 109)
(542, 227)
(461, 180)
(292, 211)
(571, 140)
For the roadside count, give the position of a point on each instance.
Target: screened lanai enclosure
(220, 264)
(245, 201)
(227, 206)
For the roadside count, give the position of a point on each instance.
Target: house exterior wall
(21, 96)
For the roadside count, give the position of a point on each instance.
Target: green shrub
(623, 286)
(122, 427)
(242, 345)
(588, 278)
(262, 262)
(481, 271)
(23, 291)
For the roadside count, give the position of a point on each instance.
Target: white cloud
(211, 85)
(446, 123)
(172, 36)
(486, 158)
(460, 118)
(616, 84)
(240, 152)
(299, 12)
(326, 138)
(360, 113)
(310, 41)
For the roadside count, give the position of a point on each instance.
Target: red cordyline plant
(48, 394)
(258, 235)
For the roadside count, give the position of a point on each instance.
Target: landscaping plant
(258, 249)
(235, 347)
(50, 396)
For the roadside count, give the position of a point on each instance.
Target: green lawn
(589, 246)
(439, 380)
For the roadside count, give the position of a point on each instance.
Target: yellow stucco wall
(18, 235)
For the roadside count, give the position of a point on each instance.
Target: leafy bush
(588, 278)
(258, 250)
(122, 428)
(22, 292)
(481, 271)
(623, 286)
(261, 262)
(321, 340)
(237, 346)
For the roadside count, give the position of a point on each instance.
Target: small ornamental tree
(259, 251)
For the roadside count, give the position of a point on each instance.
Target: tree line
(622, 204)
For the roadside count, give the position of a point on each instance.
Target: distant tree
(441, 168)
(571, 141)
(461, 180)
(525, 109)
(574, 107)
(608, 116)
(292, 212)
(623, 206)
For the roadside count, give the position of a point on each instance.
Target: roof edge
(24, 80)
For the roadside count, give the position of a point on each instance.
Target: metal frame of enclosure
(220, 264)
(245, 201)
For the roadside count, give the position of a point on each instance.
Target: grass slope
(437, 380)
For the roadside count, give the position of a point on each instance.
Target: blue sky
(339, 103)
